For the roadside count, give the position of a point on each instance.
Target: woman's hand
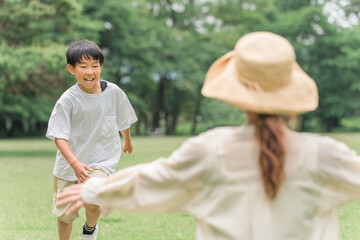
(71, 194)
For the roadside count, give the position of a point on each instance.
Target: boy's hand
(81, 171)
(128, 147)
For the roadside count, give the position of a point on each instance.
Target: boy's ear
(71, 69)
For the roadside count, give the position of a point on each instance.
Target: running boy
(85, 125)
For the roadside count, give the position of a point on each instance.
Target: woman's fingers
(75, 207)
(68, 199)
(75, 188)
(71, 194)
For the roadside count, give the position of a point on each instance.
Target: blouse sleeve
(166, 184)
(340, 167)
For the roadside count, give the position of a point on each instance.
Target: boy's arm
(127, 147)
(79, 167)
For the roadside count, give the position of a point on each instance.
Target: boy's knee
(66, 219)
(92, 207)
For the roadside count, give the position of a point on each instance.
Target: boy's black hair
(83, 49)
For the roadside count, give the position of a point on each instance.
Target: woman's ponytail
(270, 133)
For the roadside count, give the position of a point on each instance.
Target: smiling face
(87, 73)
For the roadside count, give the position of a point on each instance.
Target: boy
(85, 125)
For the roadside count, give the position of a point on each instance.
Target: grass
(26, 183)
(26, 188)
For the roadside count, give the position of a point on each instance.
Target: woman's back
(232, 203)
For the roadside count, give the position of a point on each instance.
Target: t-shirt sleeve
(59, 123)
(125, 112)
(340, 166)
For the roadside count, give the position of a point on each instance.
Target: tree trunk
(171, 121)
(168, 119)
(42, 127)
(16, 129)
(159, 103)
(142, 120)
(137, 126)
(303, 121)
(331, 123)
(13, 88)
(172, 118)
(2, 128)
(174, 122)
(196, 113)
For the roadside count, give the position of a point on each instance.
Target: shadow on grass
(30, 154)
(112, 220)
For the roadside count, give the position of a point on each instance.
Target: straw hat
(261, 75)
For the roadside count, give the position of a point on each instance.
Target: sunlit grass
(26, 189)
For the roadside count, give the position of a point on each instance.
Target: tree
(158, 52)
(323, 50)
(33, 36)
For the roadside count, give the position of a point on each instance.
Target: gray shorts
(59, 185)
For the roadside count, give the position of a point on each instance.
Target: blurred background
(158, 52)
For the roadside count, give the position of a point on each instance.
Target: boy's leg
(64, 222)
(92, 212)
(64, 230)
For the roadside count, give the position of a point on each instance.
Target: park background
(158, 52)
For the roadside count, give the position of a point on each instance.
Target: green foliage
(335, 67)
(34, 35)
(327, 53)
(213, 112)
(159, 51)
(37, 21)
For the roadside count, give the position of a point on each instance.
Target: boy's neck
(95, 90)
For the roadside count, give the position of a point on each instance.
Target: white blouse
(215, 177)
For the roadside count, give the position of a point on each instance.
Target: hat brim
(223, 82)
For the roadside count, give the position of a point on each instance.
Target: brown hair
(270, 133)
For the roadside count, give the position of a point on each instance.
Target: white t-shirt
(91, 124)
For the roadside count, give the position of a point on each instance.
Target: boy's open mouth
(89, 79)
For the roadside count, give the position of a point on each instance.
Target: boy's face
(87, 73)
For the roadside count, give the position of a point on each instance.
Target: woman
(254, 182)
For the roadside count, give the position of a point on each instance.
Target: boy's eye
(95, 66)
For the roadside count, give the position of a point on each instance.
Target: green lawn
(26, 188)
(26, 183)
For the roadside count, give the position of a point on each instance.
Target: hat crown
(265, 60)
(261, 75)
